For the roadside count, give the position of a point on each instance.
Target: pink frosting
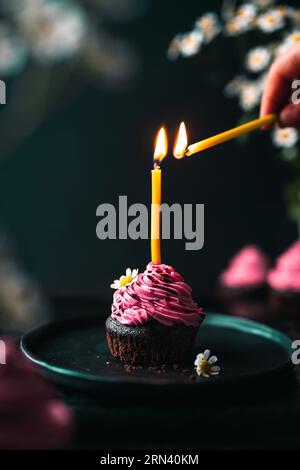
(286, 274)
(159, 293)
(248, 268)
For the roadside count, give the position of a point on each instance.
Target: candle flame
(181, 142)
(161, 145)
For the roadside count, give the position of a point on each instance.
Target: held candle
(161, 150)
(231, 134)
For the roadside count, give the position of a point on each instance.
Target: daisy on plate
(258, 59)
(126, 279)
(271, 21)
(250, 95)
(209, 26)
(286, 137)
(205, 364)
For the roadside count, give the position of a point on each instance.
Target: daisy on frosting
(125, 280)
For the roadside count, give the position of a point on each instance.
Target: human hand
(278, 89)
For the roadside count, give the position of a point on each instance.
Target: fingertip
(290, 116)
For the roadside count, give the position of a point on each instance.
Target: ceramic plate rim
(213, 319)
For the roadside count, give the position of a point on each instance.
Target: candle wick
(155, 166)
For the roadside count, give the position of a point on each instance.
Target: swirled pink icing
(159, 293)
(286, 274)
(248, 268)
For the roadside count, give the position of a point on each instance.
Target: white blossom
(209, 26)
(271, 21)
(125, 280)
(234, 87)
(53, 31)
(250, 95)
(190, 43)
(13, 53)
(258, 59)
(205, 364)
(286, 137)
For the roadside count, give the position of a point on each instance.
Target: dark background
(100, 146)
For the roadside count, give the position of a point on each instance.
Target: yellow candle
(161, 150)
(231, 134)
(155, 215)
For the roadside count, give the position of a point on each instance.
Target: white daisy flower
(271, 21)
(54, 31)
(235, 26)
(125, 280)
(286, 137)
(247, 11)
(190, 43)
(250, 95)
(258, 59)
(292, 39)
(13, 53)
(242, 21)
(234, 87)
(209, 26)
(173, 51)
(205, 364)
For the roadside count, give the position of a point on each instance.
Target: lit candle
(181, 142)
(231, 134)
(160, 152)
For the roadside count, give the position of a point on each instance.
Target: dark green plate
(252, 356)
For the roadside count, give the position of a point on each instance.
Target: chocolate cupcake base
(150, 344)
(225, 294)
(287, 303)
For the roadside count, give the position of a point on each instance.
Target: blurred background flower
(50, 50)
(263, 29)
(48, 41)
(22, 304)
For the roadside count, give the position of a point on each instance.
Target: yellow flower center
(284, 135)
(125, 280)
(205, 367)
(271, 20)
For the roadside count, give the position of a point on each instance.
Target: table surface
(271, 421)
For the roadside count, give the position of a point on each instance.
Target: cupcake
(284, 281)
(31, 416)
(154, 318)
(246, 274)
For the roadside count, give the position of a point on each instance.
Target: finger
(277, 89)
(290, 116)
